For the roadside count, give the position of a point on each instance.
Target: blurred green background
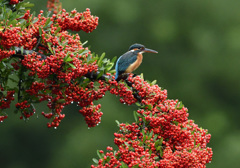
(198, 63)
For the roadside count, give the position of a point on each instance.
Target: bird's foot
(123, 76)
(134, 75)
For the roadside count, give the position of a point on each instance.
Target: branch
(91, 75)
(21, 52)
(95, 75)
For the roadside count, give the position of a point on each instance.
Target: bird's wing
(125, 61)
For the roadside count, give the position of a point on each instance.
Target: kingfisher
(131, 60)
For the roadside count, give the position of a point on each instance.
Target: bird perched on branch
(131, 60)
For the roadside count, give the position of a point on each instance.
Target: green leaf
(112, 71)
(58, 29)
(27, 5)
(22, 50)
(126, 144)
(151, 114)
(89, 58)
(35, 20)
(118, 124)
(155, 137)
(105, 60)
(48, 13)
(150, 135)
(65, 58)
(161, 140)
(154, 82)
(83, 51)
(68, 59)
(43, 63)
(135, 116)
(159, 108)
(175, 122)
(100, 155)
(123, 165)
(179, 105)
(92, 60)
(149, 107)
(72, 65)
(84, 43)
(197, 145)
(101, 69)
(101, 58)
(158, 143)
(107, 159)
(138, 104)
(50, 48)
(9, 13)
(144, 137)
(114, 59)
(48, 23)
(161, 152)
(150, 152)
(100, 74)
(143, 132)
(95, 160)
(109, 66)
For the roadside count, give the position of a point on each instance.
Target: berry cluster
(5, 53)
(92, 114)
(55, 121)
(162, 135)
(54, 71)
(121, 90)
(10, 37)
(77, 21)
(54, 5)
(5, 101)
(12, 2)
(25, 108)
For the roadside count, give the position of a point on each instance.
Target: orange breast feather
(135, 65)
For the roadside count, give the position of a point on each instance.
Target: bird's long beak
(150, 50)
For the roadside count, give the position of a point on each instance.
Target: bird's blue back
(125, 61)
